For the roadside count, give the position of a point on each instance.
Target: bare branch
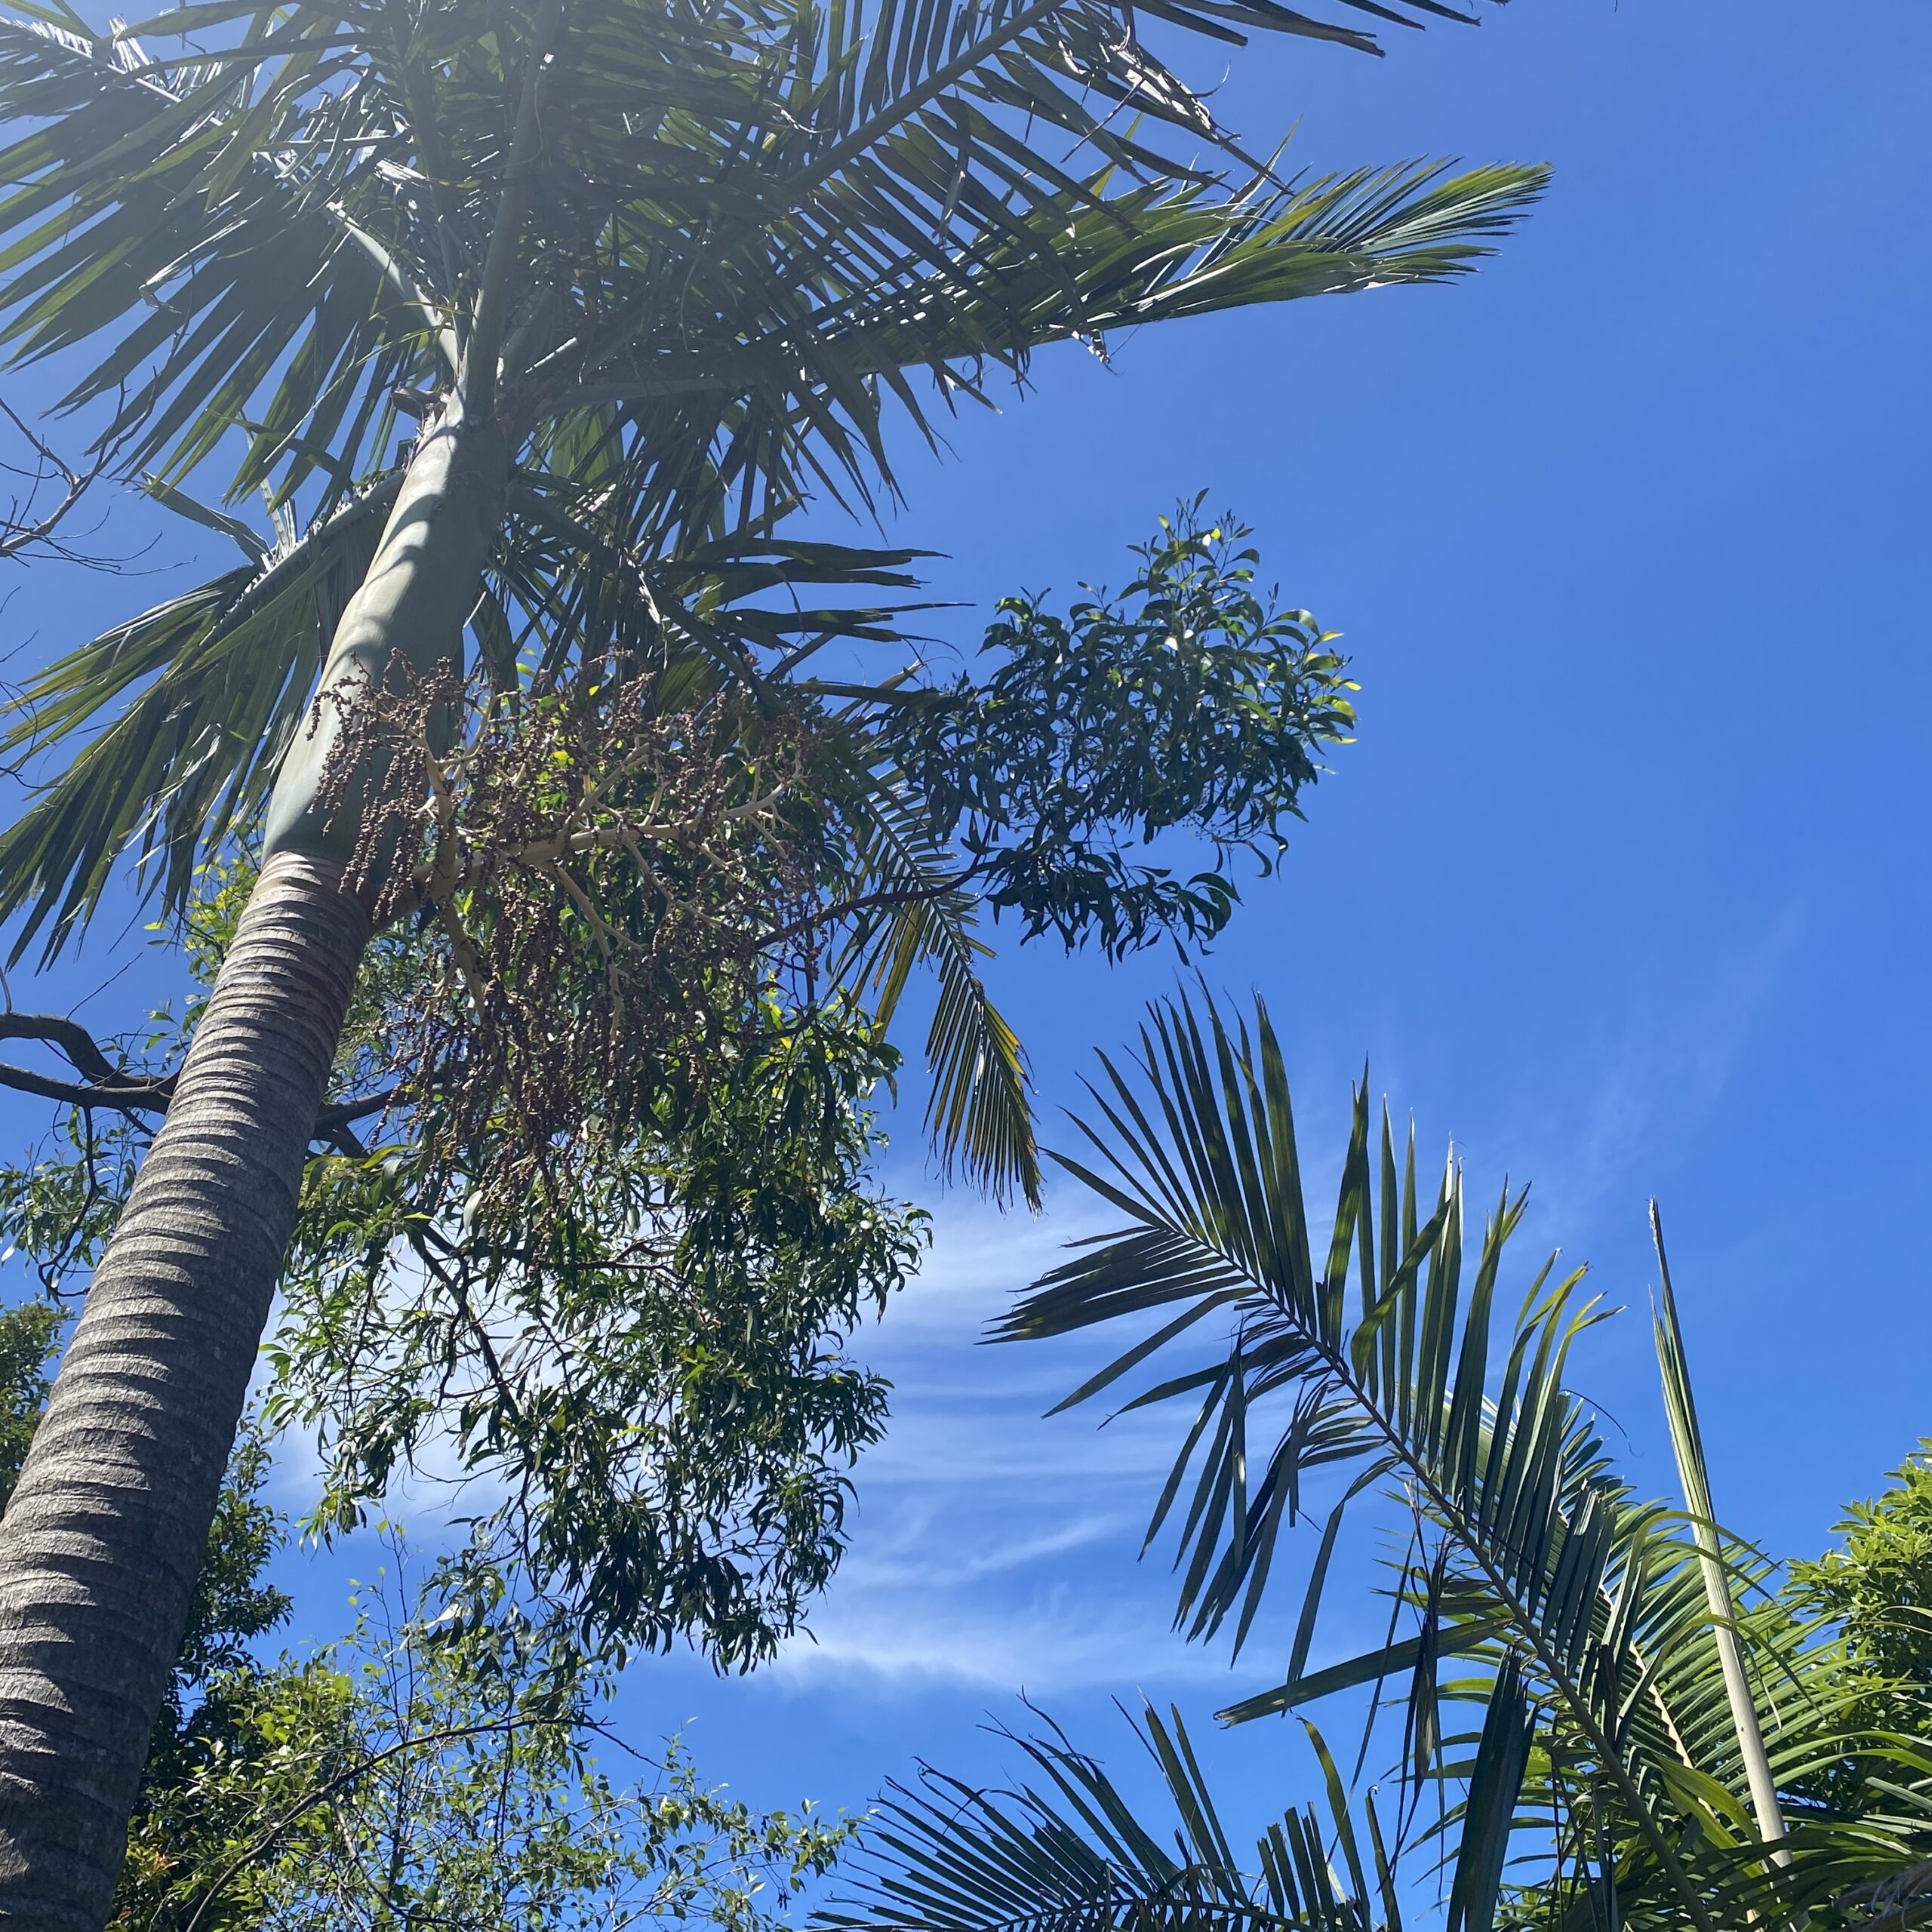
(104, 1085)
(28, 524)
(101, 1083)
(84, 1053)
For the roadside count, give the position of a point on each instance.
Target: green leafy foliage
(653, 1384)
(643, 1396)
(1877, 1589)
(1187, 703)
(414, 1773)
(1878, 1586)
(61, 1206)
(29, 1336)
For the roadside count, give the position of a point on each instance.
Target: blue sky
(1623, 886)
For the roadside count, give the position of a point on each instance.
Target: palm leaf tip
(1424, 222)
(979, 1114)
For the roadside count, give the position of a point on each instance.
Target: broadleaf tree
(409, 1774)
(643, 1405)
(425, 1763)
(533, 324)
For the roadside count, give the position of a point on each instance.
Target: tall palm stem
(101, 1543)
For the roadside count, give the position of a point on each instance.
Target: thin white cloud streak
(1046, 1646)
(994, 1548)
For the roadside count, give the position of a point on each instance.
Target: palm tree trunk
(100, 1547)
(104, 1535)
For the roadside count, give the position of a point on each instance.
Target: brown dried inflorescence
(617, 887)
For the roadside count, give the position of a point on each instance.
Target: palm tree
(696, 251)
(1640, 1702)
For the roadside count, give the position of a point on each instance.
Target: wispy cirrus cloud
(995, 1546)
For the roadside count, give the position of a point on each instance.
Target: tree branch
(23, 528)
(101, 1083)
(83, 1051)
(125, 1098)
(104, 1085)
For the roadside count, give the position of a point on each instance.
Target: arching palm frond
(175, 208)
(1086, 261)
(206, 691)
(750, 218)
(1071, 1853)
(172, 725)
(1581, 1609)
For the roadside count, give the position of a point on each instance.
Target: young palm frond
(1688, 1441)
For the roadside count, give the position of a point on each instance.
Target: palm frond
(978, 1113)
(149, 208)
(1581, 1608)
(1687, 1443)
(216, 684)
(1069, 1851)
(265, 234)
(786, 208)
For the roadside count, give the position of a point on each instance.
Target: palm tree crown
(687, 258)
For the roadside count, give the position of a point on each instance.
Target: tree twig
(22, 528)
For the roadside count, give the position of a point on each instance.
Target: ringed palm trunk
(101, 1543)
